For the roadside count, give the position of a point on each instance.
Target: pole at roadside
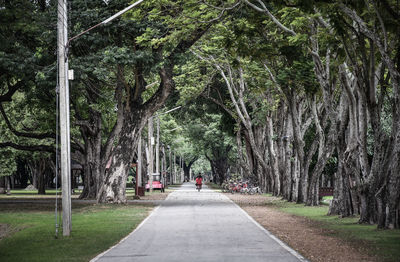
(139, 165)
(62, 39)
(151, 153)
(158, 146)
(62, 46)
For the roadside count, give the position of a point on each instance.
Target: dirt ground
(300, 233)
(157, 196)
(4, 230)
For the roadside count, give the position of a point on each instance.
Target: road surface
(199, 226)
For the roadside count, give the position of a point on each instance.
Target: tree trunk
(37, 168)
(41, 165)
(34, 174)
(8, 184)
(341, 203)
(186, 171)
(219, 168)
(186, 168)
(134, 119)
(298, 144)
(289, 162)
(2, 185)
(93, 164)
(114, 187)
(276, 189)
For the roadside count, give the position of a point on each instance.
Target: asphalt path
(199, 226)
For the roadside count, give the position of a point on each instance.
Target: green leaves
(166, 22)
(8, 165)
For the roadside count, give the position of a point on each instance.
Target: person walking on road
(199, 182)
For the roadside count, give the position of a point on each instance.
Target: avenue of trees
(293, 95)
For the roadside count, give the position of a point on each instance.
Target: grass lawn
(51, 193)
(214, 186)
(131, 192)
(95, 228)
(22, 193)
(383, 243)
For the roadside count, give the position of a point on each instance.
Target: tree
(169, 34)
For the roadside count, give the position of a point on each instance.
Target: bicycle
(255, 190)
(245, 188)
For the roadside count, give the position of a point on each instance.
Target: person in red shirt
(199, 182)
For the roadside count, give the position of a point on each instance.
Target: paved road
(199, 226)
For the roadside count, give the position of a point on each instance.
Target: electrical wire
(57, 124)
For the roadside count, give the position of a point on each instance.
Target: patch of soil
(4, 230)
(302, 234)
(157, 196)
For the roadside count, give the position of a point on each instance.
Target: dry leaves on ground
(155, 196)
(300, 233)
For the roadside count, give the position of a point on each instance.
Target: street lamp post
(174, 174)
(151, 154)
(170, 164)
(183, 169)
(158, 138)
(164, 167)
(158, 146)
(139, 166)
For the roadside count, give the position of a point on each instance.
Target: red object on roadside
(156, 185)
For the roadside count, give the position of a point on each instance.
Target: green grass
(51, 193)
(95, 228)
(22, 193)
(131, 192)
(383, 243)
(327, 198)
(214, 186)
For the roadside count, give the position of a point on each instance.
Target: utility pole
(183, 169)
(63, 89)
(178, 177)
(158, 148)
(164, 167)
(180, 167)
(62, 39)
(170, 165)
(174, 175)
(139, 166)
(151, 153)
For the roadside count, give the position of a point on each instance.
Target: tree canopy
(295, 95)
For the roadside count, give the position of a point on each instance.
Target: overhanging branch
(31, 148)
(23, 134)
